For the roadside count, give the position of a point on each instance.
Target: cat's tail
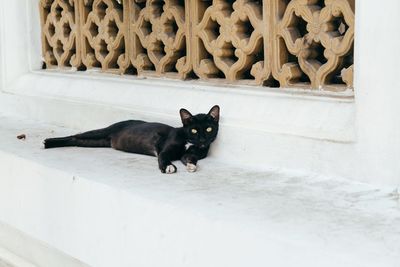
(74, 141)
(95, 138)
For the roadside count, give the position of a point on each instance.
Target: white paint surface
(8, 259)
(22, 250)
(378, 95)
(109, 208)
(239, 209)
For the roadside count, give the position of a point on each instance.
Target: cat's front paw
(190, 167)
(169, 169)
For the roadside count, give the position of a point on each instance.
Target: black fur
(189, 143)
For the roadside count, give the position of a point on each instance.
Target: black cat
(189, 143)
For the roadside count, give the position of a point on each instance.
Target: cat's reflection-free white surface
(109, 208)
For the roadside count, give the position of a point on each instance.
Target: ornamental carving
(60, 33)
(229, 41)
(104, 35)
(313, 40)
(277, 43)
(160, 38)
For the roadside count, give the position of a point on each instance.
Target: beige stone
(104, 27)
(229, 41)
(160, 38)
(286, 43)
(60, 33)
(320, 36)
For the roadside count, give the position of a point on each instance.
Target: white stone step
(8, 259)
(108, 208)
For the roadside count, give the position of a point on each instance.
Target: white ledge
(259, 127)
(310, 114)
(108, 208)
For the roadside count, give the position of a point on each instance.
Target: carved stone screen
(276, 43)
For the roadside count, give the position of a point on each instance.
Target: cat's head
(201, 129)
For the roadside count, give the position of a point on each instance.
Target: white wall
(377, 85)
(260, 127)
(2, 46)
(13, 34)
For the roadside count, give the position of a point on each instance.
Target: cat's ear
(214, 112)
(186, 117)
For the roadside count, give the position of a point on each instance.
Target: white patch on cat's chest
(188, 145)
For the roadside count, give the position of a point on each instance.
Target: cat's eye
(209, 130)
(194, 131)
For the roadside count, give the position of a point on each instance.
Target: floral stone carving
(60, 33)
(104, 35)
(280, 43)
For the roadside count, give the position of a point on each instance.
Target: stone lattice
(60, 33)
(285, 43)
(229, 40)
(160, 38)
(313, 41)
(104, 35)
